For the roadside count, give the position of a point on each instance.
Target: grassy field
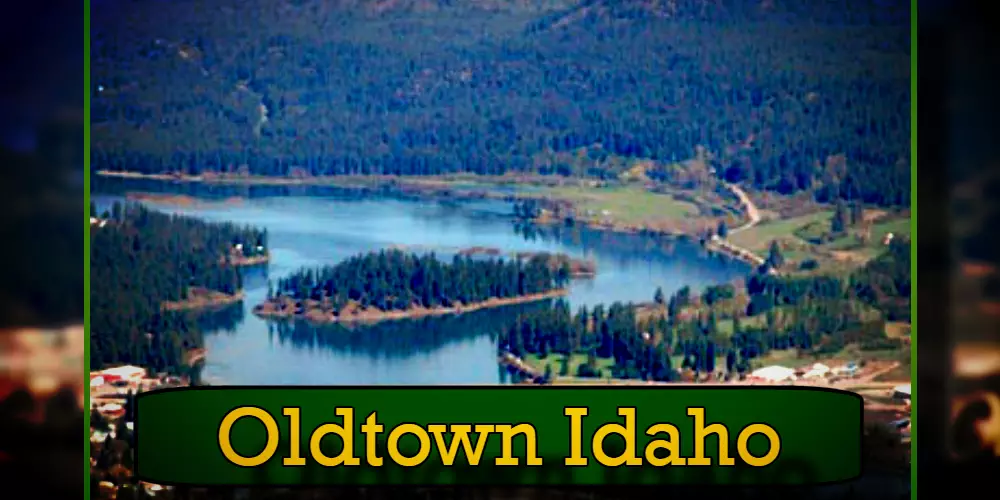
(898, 226)
(759, 237)
(726, 325)
(626, 204)
(841, 254)
(555, 361)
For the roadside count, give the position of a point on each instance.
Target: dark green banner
(498, 435)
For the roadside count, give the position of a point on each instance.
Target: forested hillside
(140, 259)
(787, 98)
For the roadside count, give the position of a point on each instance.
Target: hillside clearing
(626, 204)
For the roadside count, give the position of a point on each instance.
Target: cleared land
(627, 204)
(575, 360)
(759, 237)
(808, 237)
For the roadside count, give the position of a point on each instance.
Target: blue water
(311, 231)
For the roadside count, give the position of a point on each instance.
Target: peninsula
(392, 284)
(174, 261)
(579, 268)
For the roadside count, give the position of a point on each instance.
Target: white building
(818, 370)
(774, 373)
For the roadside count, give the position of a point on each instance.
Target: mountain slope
(774, 102)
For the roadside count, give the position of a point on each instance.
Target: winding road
(753, 215)
(753, 218)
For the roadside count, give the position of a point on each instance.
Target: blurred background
(41, 281)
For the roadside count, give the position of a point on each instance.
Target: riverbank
(178, 200)
(801, 227)
(631, 208)
(311, 310)
(616, 205)
(201, 299)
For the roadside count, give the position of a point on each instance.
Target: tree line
(396, 280)
(816, 315)
(141, 258)
(779, 103)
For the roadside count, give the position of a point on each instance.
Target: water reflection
(313, 226)
(399, 339)
(622, 247)
(223, 320)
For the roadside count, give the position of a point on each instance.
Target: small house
(774, 373)
(818, 370)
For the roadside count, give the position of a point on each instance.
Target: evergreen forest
(141, 258)
(395, 280)
(712, 332)
(790, 97)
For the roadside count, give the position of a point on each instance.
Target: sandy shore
(255, 260)
(201, 298)
(286, 310)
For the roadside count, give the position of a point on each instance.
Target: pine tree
(673, 309)
(841, 219)
(857, 213)
(775, 259)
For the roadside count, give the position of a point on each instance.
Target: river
(316, 229)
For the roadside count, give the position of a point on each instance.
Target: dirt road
(749, 208)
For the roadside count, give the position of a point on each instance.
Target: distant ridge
(869, 12)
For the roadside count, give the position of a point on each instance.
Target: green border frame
(913, 246)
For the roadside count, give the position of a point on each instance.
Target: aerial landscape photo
(544, 192)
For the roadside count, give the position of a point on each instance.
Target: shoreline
(181, 200)
(441, 185)
(431, 181)
(267, 310)
(256, 260)
(200, 299)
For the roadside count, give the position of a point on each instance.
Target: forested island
(577, 268)
(147, 268)
(722, 330)
(392, 284)
(780, 96)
